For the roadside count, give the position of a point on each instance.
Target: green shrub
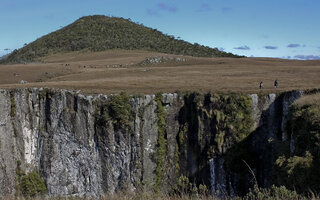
(117, 109)
(32, 185)
(296, 171)
(272, 193)
(183, 187)
(120, 109)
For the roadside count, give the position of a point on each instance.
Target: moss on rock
(162, 141)
(232, 119)
(117, 109)
(298, 166)
(13, 105)
(214, 125)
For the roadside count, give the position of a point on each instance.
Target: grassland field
(116, 71)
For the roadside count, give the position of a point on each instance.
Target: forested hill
(99, 33)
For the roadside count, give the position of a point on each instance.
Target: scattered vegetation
(185, 188)
(272, 193)
(230, 117)
(99, 33)
(298, 166)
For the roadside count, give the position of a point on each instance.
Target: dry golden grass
(116, 71)
(313, 99)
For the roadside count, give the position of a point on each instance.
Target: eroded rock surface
(81, 147)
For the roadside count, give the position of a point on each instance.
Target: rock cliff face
(89, 146)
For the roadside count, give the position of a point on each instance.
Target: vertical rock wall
(73, 142)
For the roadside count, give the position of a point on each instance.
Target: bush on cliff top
(120, 109)
(117, 109)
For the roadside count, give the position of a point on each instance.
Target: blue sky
(259, 28)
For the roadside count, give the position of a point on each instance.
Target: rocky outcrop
(161, 60)
(92, 145)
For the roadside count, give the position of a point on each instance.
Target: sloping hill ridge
(99, 33)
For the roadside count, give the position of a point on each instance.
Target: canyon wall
(93, 145)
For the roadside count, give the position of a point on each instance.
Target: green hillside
(99, 33)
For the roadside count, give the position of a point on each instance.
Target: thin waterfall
(212, 176)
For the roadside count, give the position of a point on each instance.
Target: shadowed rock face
(80, 148)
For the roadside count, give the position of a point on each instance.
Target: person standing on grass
(261, 85)
(276, 84)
